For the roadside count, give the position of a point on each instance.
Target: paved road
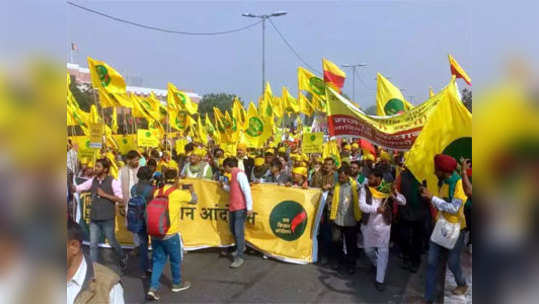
(273, 281)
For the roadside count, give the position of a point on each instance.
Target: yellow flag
(307, 81)
(114, 120)
(94, 116)
(458, 71)
(202, 135)
(291, 104)
(180, 100)
(389, 98)
(331, 149)
(108, 99)
(448, 130)
(238, 112)
(431, 92)
(105, 77)
(258, 130)
(305, 105)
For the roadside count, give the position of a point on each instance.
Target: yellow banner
(82, 145)
(126, 143)
(281, 226)
(312, 142)
(394, 132)
(146, 138)
(96, 135)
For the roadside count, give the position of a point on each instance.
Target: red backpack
(157, 218)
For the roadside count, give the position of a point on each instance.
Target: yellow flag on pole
(305, 105)
(458, 71)
(448, 130)
(389, 99)
(105, 77)
(291, 104)
(180, 100)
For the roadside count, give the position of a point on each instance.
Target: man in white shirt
(88, 282)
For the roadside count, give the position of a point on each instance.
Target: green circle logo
(124, 141)
(394, 106)
(103, 74)
(181, 97)
(460, 147)
(148, 134)
(313, 137)
(317, 85)
(288, 220)
(256, 127)
(88, 144)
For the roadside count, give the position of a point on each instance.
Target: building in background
(82, 75)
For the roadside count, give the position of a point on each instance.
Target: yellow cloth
(282, 149)
(346, 148)
(171, 164)
(242, 146)
(176, 200)
(355, 146)
(385, 156)
(443, 192)
(199, 152)
(355, 201)
(270, 151)
(369, 156)
(259, 161)
(300, 171)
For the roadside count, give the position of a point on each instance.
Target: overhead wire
(292, 49)
(155, 28)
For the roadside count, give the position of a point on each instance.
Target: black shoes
(379, 286)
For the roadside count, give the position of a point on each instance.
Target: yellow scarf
(378, 194)
(355, 201)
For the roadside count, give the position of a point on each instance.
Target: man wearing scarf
(344, 215)
(449, 200)
(196, 168)
(376, 222)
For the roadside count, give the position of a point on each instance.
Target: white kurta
(376, 232)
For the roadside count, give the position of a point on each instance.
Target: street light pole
(354, 67)
(264, 18)
(263, 53)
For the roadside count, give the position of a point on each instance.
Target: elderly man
(196, 168)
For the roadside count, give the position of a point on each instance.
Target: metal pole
(263, 53)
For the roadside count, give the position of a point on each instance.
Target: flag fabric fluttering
(105, 77)
(333, 75)
(180, 100)
(305, 106)
(457, 70)
(290, 103)
(389, 99)
(448, 130)
(258, 130)
(307, 81)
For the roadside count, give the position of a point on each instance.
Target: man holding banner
(240, 204)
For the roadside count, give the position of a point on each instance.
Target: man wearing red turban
(449, 201)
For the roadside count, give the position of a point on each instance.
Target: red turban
(445, 163)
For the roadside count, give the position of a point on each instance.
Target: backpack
(157, 217)
(135, 210)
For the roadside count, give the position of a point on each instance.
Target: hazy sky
(407, 41)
